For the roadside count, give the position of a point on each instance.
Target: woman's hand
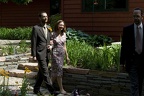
(67, 60)
(51, 42)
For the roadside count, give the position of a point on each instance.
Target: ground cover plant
(93, 40)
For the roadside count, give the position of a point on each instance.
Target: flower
(36, 68)
(50, 29)
(4, 73)
(16, 82)
(27, 70)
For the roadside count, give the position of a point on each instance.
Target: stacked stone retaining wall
(97, 83)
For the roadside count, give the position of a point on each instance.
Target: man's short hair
(140, 10)
(41, 13)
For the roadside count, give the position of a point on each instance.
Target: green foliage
(25, 83)
(78, 35)
(116, 55)
(84, 50)
(4, 90)
(16, 33)
(10, 48)
(93, 40)
(24, 33)
(24, 87)
(79, 53)
(54, 19)
(23, 47)
(99, 40)
(84, 55)
(17, 1)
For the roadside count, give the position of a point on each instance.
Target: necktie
(45, 31)
(138, 41)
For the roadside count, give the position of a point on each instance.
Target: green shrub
(99, 40)
(80, 53)
(84, 55)
(24, 33)
(19, 33)
(93, 40)
(78, 35)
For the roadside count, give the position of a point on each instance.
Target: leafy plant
(99, 40)
(4, 51)
(4, 91)
(80, 53)
(116, 55)
(84, 55)
(78, 35)
(20, 33)
(15, 48)
(10, 49)
(23, 46)
(25, 83)
(24, 33)
(93, 40)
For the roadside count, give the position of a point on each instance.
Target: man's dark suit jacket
(128, 53)
(39, 42)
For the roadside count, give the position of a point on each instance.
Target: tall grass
(83, 55)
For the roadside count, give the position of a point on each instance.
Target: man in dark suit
(132, 52)
(40, 42)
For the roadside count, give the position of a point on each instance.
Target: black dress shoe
(38, 93)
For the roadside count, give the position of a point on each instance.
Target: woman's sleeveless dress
(58, 54)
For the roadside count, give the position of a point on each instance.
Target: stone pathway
(15, 66)
(16, 73)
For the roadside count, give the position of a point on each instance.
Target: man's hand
(34, 59)
(49, 47)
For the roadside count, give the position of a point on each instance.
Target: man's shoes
(38, 92)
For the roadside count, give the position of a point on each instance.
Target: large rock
(2, 59)
(30, 66)
(21, 73)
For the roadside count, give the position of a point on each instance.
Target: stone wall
(97, 83)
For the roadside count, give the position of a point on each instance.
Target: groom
(40, 51)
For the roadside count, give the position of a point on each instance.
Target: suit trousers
(136, 75)
(133, 75)
(43, 75)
